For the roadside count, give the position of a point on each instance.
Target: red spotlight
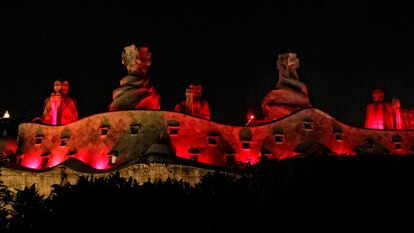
(250, 117)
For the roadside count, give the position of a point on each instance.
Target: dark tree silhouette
(316, 193)
(29, 210)
(5, 204)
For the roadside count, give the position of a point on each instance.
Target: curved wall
(109, 140)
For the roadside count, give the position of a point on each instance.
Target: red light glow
(31, 162)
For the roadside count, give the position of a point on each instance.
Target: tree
(29, 210)
(6, 197)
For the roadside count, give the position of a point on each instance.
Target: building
(148, 142)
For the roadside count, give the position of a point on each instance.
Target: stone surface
(383, 115)
(152, 172)
(194, 104)
(139, 143)
(139, 137)
(404, 117)
(137, 60)
(379, 114)
(135, 91)
(131, 134)
(59, 109)
(290, 93)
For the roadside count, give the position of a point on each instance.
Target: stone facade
(383, 115)
(118, 141)
(135, 91)
(193, 104)
(111, 140)
(290, 94)
(135, 136)
(59, 109)
(18, 179)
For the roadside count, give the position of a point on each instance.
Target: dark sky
(230, 50)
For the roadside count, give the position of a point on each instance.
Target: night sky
(230, 50)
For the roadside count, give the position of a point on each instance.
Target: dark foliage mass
(311, 194)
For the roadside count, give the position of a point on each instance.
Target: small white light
(113, 159)
(6, 114)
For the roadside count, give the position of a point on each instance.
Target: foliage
(5, 202)
(307, 194)
(29, 210)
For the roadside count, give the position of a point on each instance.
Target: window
(213, 138)
(173, 127)
(397, 140)
(103, 131)
(279, 135)
(112, 159)
(339, 137)
(134, 129)
(113, 155)
(279, 138)
(64, 141)
(308, 125)
(338, 132)
(173, 130)
(246, 144)
(38, 139)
